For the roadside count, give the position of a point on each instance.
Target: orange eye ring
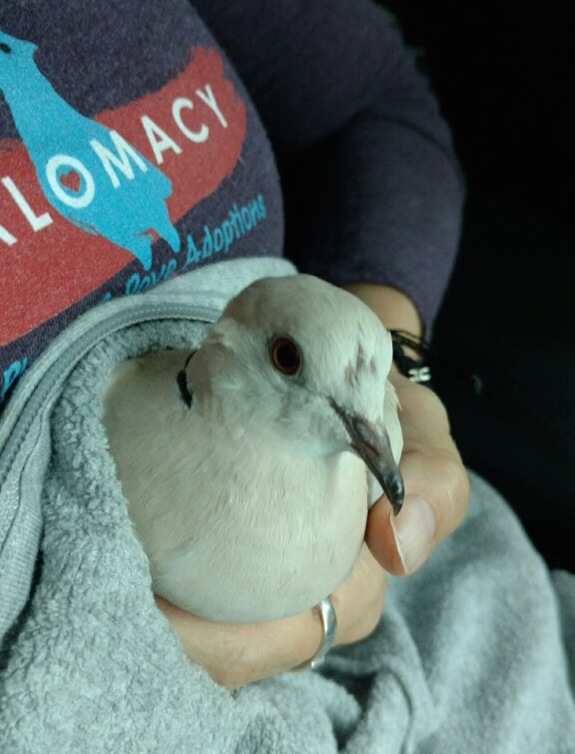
(285, 356)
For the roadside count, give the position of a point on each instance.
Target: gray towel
(472, 654)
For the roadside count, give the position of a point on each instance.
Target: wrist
(409, 356)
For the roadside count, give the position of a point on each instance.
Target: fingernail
(414, 528)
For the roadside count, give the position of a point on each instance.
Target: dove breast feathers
(250, 502)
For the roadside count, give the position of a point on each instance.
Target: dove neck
(34, 102)
(34, 91)
(268, 426)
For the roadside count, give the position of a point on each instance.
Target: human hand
(431, 466)
(236, 654)
(435, 480)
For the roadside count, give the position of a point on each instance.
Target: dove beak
(375, 449)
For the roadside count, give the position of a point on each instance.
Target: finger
(435, 489)
(359, 600)
(236, 654)
(436, 485)
(240, 653)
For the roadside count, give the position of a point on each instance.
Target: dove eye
(285, 356)
(5, 48)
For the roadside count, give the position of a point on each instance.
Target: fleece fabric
(473, 653)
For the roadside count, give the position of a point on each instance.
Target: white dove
(244, 463)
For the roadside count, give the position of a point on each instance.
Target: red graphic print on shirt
(80, 198)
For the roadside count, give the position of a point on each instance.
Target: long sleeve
(373, 189)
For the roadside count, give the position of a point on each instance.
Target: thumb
(436, 486)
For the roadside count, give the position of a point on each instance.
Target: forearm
(385, 212)
(372, 185)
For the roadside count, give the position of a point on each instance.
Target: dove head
(309, 362)
(13, 52)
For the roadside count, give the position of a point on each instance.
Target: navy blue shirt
(140, 140)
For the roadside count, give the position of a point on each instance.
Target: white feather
(250, 504)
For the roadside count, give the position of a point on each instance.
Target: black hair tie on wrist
(414, 369)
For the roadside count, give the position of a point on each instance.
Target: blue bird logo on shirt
(89, 173)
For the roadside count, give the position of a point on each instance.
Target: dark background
(503, 353)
